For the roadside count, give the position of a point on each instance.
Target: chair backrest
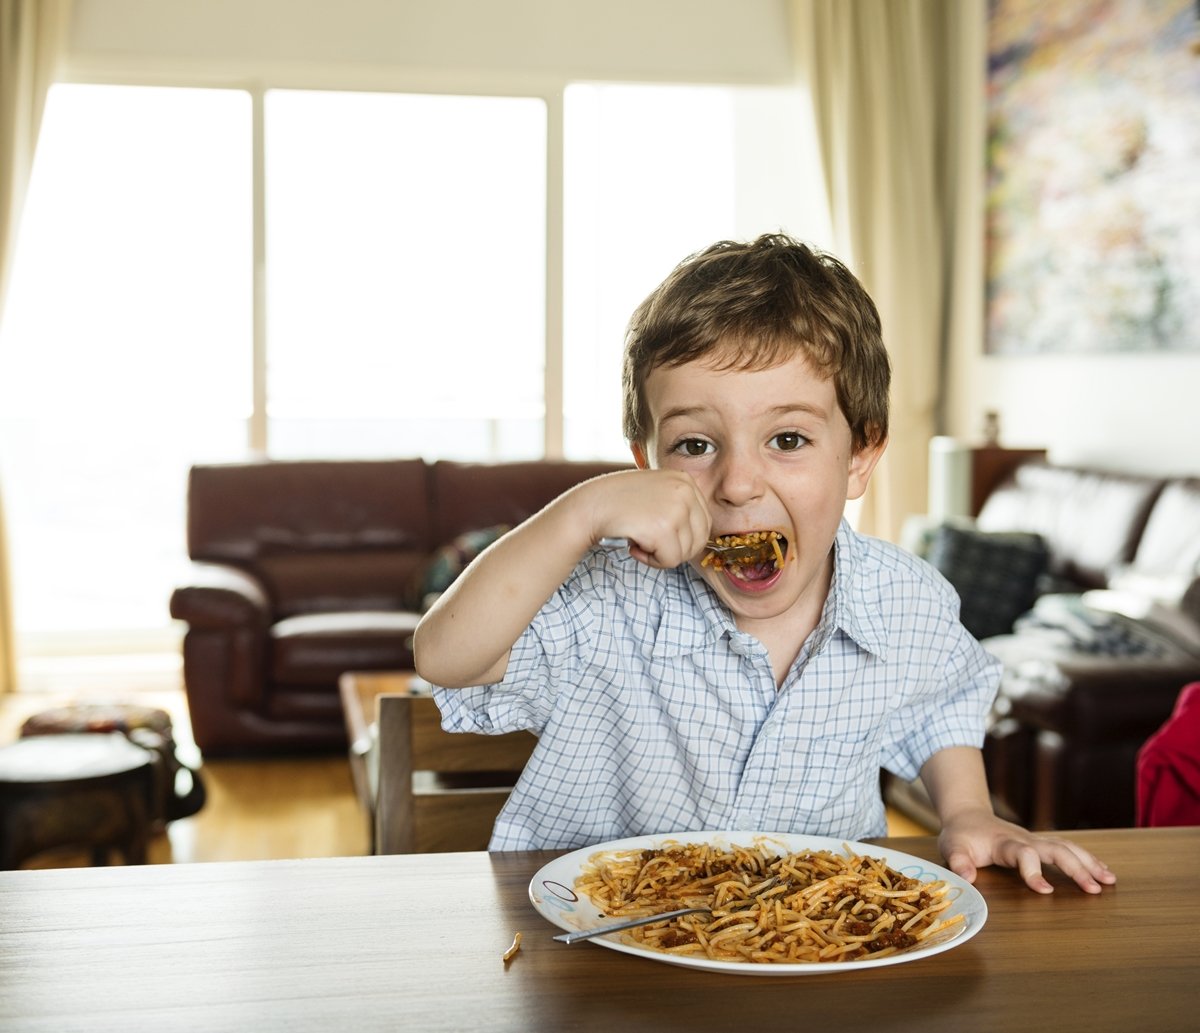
(437, 790)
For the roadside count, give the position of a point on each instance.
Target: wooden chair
(437, 790)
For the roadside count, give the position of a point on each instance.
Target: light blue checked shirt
(655, 714)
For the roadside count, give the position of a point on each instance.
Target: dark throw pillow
(996, 574)
(451, 560)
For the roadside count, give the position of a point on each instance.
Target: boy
(672, 690)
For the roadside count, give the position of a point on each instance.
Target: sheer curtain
(884, 80)
(32, 39)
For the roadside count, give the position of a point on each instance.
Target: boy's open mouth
(750, 556)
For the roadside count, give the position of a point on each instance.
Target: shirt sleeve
(548, 655)
(950, 690)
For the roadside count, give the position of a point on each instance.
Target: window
(405, 243)
(406, 258)
(123, 355)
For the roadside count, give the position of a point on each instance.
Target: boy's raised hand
(662, 514)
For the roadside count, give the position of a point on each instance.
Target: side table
(89, 790)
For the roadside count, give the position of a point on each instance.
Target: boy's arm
(466, 636)
(973, 837)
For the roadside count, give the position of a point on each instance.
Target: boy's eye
(693, 447)
(789, 441)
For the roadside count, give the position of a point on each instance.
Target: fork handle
(587, 934)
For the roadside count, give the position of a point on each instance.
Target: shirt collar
(855, 610)
(693, 618)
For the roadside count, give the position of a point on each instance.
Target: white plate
(553, 895)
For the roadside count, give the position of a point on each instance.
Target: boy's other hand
(976, 840)
(661, 513)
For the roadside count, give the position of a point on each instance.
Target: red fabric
(1168, 767)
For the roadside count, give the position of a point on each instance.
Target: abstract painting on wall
(1093, 197)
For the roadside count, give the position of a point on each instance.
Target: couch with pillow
(302, 570)
(1086, 584)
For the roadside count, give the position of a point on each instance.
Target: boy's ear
(639, 455)
(862, 464)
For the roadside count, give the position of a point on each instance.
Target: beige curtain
(882, 78)
(32, 40)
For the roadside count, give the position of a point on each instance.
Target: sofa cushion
(466, 496)
(995, 574)
(1171, 542)
(1091, 520)
(317, 649)
(238, 512)
(330, 581)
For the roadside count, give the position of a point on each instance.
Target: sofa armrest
(219, 596)
(1095, 700)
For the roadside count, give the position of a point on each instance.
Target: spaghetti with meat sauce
(745, 550)
(766, 907)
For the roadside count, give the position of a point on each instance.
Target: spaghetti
(812, 906)
(744, 550)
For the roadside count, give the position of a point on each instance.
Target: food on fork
(744, 550)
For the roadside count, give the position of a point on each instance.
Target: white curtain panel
(886, 78)
(32, 41)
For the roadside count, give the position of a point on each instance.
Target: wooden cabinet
(990, 464)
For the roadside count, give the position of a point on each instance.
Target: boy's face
(771, 451)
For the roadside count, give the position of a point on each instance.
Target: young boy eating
(677, 687)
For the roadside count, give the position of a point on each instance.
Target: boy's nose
(739, 480)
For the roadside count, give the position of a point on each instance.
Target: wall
(471, 41)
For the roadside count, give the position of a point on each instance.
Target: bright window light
(131, 293)
(406, 273)
(123, 354)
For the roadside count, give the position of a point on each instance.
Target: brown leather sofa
(305, 569)
(1080, 691)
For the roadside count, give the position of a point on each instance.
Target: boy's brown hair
(752, 306)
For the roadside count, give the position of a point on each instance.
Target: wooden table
(414, 942)
(359, 691)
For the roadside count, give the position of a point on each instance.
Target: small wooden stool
(91, 790)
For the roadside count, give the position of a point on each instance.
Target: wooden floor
(261, 809)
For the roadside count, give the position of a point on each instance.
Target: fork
(724, 551)
(616, 927)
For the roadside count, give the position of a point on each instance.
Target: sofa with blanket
(302, 570)
(1086, 584)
